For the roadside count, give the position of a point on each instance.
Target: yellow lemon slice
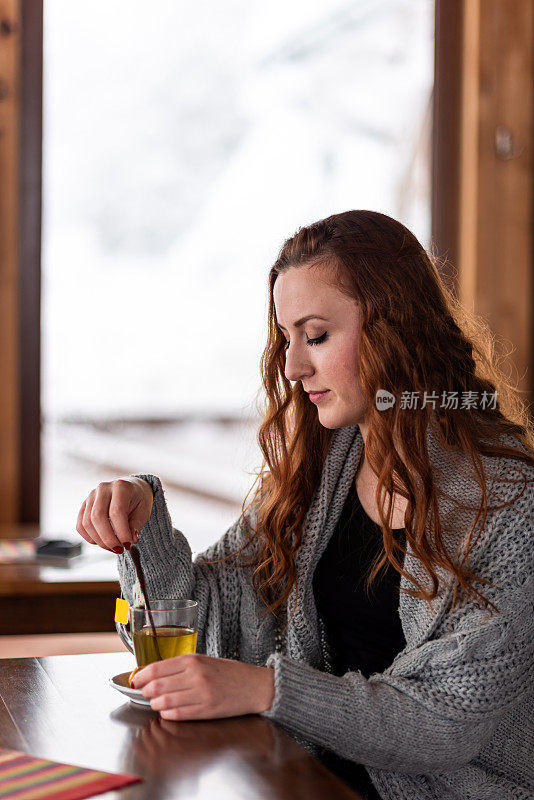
(131, 676)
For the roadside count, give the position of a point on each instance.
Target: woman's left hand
(196, 686)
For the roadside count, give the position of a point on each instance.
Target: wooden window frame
(465, 225)
(31, 134)
(21, 37)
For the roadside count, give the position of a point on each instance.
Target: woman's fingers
(87, 525)
(205, 687)
(177, 687)
(194, 711)
(92, 522)
(114, 513)
(79, 525)
(122, 496)
(162, 669)
(176, 699)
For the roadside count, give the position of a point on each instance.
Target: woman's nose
(298, 365)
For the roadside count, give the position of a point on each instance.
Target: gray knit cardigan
(453, 716)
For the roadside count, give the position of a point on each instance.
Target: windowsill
(95, 569)
(79, 598)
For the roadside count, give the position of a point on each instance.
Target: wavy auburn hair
(415, 336)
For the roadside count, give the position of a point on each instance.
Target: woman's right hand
(113, 514)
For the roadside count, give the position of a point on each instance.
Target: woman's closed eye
(318, 340)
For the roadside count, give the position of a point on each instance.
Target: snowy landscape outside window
(182, 145)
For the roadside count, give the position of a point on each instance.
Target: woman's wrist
(266, 696)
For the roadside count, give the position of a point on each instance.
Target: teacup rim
(171, 600)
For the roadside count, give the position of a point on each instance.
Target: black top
(364, 632)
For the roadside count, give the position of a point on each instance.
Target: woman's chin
(329, 419)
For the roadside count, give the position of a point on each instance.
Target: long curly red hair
(415, 337)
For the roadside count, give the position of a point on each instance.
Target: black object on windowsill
(58, 548)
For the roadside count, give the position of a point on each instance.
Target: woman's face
(322, 353)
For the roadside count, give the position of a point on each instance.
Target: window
(181, 147)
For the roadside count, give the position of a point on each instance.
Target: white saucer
(120, 683)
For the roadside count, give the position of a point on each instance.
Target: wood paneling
(484, 135)
(446, 135)
(9, 288)
(496, 243)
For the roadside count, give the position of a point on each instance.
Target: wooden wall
(496, 245)
(483, 167)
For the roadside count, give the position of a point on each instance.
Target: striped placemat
(12, 550)
(27, 778)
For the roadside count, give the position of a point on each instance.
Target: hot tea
(171, 640)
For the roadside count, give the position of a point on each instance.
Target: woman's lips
(316, 397)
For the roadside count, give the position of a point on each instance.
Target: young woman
(375, 597)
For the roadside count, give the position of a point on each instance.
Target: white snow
(183, 142)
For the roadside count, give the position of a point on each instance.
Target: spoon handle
(136, 558)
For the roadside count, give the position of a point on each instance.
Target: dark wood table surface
(63, 708)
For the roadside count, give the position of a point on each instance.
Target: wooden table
(63, 708)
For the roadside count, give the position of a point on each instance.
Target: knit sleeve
(436, 708)
(170, 572)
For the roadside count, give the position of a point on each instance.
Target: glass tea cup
(176, 626)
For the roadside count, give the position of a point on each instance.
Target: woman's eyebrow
(301, 321)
